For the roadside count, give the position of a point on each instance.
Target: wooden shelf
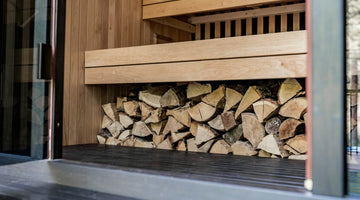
(165, 8)
(267, 56)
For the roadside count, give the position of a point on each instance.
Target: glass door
(25, 76)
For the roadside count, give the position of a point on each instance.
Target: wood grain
(254, 45)
(293, 66)
(183, 7)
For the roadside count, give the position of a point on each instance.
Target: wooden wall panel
(100, 24)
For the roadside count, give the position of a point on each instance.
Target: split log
(173, 125)
(143, 143)
(265, 108)
(178, 136)
(228, 120)
(124, 135)
(132, 108)
(202, 112)
(181, 114)
(195, 90)
(289, 128)
(251, 96)
(113, 141)
(294, 108)
(272, 126)
(125, 120)
(115, 129)
(204, 134)
(305, 116)
(158, 127)
(152, 96)
(181, 146)
(106, 121)
(191, 146)
(298, 157)
(172, 98)
(128, 142)
(264, 154)
(166, 144)
(120, 103)
(272, 144)
(101, 139)
(221, 147)
(156, 116)
(157, 139)
(288, 89)
(232, 97)
(253, 130)
(217, 123)
(234, 135)
(145, 110)
(298, 143)
(206, 147)
(216, 98)
(141, 129)
(110, 111)
(243, 149)
(194, 127)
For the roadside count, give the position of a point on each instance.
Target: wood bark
(289, 128)
(216, 98)
(265, 108)
(234, 135)
(228, 120)
(202, 112)
(204, 134)
(152, 96)
(251, 96)
(288, 89)
(172, 98)
(253, 130)
(132, 108)
(298, 157)
(232, 98)
(243, 149)
(195, 90)
(140, 129)
(294, 108)
(221, 147)
(272, 126)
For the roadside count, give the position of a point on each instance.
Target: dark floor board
(8, 159)
(241, 170)
(21, 188)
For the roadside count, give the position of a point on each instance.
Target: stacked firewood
(265, 120)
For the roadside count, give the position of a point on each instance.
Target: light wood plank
(293, 66)
(112, 24)
(175, 23)
(296, 21)
(284, 22)
(198, 32)
(183, 7)
(254, 45)
(260, 25)
(207, 31)
(148, 2)
(227, 28)
(248, 26)
(249, 13)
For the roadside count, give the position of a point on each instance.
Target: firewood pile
(266, 120)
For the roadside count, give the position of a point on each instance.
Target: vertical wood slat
(111, 24)
(260, 25)
(248, 26)
(207, 31)
(217, 30)
(272, 23)
(296, 20)
(198, 32)
(283, 21)
(227, 28)
(238, 27)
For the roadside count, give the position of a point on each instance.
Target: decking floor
(268, 173)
